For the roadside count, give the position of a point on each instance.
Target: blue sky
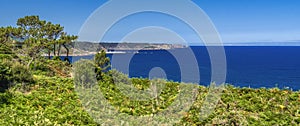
(236, 20)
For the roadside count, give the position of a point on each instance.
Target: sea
(245, 66)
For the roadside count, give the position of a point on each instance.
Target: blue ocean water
(247, 66)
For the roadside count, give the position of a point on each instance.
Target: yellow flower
(285, 92)
(281, 106)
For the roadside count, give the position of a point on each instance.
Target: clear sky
(236, 20)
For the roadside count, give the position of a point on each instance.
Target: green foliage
(245, 106)
(4, 34)
(12, 73)
(20, 73)
(56, 58)
(34, 37)
(52, 68)
(6, 50)
(52, 101)
(109, 87)
(25, 44)
(84, 73)
(102, 63)
(5, 75)
(5, 56)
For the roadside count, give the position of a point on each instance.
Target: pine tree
(102, 63)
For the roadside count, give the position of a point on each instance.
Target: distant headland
(90, 48)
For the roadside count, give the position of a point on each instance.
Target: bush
(84, 73)
(51, 68)
(5, 75)
(13, 73)
(20, 73)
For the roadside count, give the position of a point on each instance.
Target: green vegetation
(40, 91)
(22, 47)
(53, 100)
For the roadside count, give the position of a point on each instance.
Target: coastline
(112, 51)
(81, 54)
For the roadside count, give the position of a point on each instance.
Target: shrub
(5, 75)
(20, 73)
(13, 73)
(102, 63)
(84, 73)
(51, 68)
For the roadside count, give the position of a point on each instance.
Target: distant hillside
(90, 47)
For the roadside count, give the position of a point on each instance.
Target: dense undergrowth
(53, 101)
(45, 94)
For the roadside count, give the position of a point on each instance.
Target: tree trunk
(49, 53)
(67, 50)
(54, 50)
(58, 50)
